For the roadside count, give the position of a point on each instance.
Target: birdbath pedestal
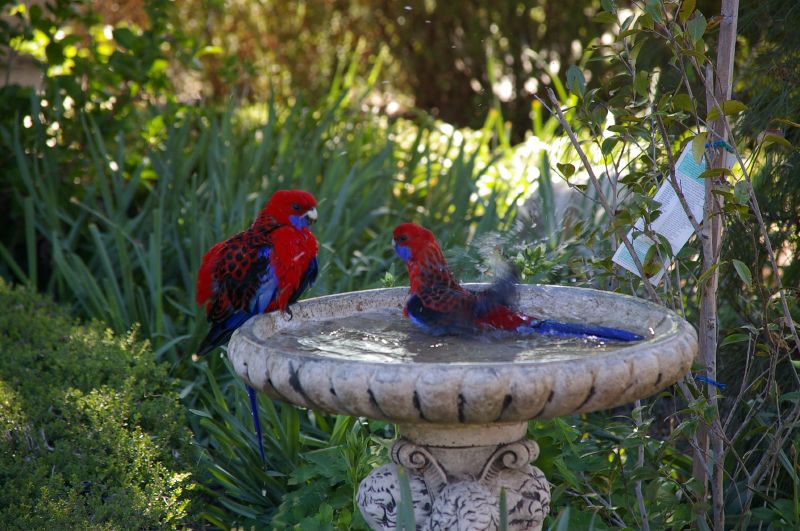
(462, 405)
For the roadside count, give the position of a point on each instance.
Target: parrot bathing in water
(263, 269)
(439, 305)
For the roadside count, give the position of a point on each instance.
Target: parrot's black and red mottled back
(439, 305)
(263, 269)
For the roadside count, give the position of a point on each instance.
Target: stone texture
(458, 487)
(472, 393)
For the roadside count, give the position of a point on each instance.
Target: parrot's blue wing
(439, 323)
(239, 301)
(427, 320)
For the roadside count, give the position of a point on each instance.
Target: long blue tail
(256, 422)
(554, 328)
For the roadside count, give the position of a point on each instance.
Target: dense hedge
(91, 434)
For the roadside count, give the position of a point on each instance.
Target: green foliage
(591, 462)
(770, 89)
(124, 244)
(455, 60)
(313, 467)
(94, 434)
(116, 187)
(640, 120)
(91, 71)
(98, 65)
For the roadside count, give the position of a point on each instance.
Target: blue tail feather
(709, 381)
(554, 328)
(251, 393)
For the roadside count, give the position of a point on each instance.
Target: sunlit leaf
(686, 10)
(743, 271)
(777, 139)
(566, 169)
(712, 173)
(699, 146)
(604, 17)
(682, 102)
(734, 338)
(209, 50)
(696, 27)
(732, 107)
(576, 81)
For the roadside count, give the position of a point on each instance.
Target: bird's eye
(295, 206)
(403, 238)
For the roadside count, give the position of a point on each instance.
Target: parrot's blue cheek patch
(299, 222)
(403, 252)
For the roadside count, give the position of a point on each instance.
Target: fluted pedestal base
(456, 474)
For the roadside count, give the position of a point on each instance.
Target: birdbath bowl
(462, 404)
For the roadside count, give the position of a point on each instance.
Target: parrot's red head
(286, 207)
(418, 248)
(411, 241)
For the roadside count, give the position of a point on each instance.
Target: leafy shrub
(93, 435)
(314, 462)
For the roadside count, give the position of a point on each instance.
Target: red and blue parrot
(439, 305)
(262, 269)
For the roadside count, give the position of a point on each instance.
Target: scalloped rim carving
(471, 393)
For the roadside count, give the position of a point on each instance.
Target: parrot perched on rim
(260, 270)
(439, 305)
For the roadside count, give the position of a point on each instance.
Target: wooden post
(718, 90)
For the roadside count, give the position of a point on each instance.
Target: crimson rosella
(439, 305)
(262, 269)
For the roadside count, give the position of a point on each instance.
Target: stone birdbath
(462, 405)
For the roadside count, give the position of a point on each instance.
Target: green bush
(93, 435)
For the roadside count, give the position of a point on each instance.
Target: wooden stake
(718, 90)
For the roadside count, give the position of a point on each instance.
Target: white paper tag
(673, 223)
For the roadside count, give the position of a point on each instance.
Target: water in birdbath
(387, 337)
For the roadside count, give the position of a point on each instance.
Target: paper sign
(673, 223)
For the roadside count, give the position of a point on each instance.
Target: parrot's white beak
(312, 215)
